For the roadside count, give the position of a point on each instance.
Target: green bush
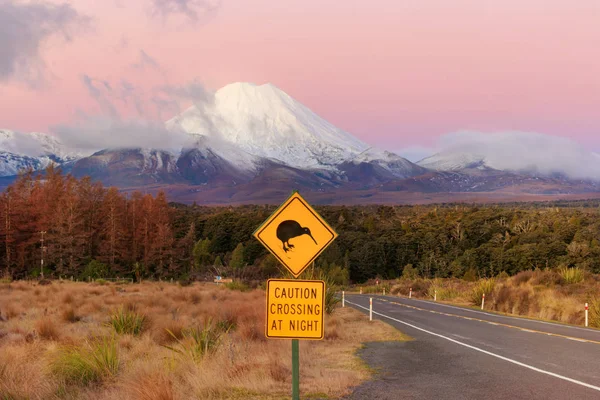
(128, 322)
(93, 363)
(94, 270)
(410, 272)
(338, 275)
(483, 286)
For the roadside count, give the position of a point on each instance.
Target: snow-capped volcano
(266, 122)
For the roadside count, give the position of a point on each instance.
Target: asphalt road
(461, 353)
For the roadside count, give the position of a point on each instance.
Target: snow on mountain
(238, 157)
(35, 150)
(264, 121)
(398, 166)
(522, 152)
(453, 161)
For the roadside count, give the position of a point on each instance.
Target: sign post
(295, 234)
(295, 369)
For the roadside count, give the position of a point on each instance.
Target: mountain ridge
(257, 139)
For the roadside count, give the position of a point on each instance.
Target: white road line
(587, 385)
(502, 316)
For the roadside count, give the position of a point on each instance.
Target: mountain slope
(268, 123)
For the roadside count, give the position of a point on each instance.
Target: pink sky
(394, 73)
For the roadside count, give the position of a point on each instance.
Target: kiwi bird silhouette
(290, 229)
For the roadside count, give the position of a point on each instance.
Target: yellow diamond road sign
(295, 234)
(295, 309)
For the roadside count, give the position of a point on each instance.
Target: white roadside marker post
(384, 291)
(360, 291)
(343, 299)
(435, 295)
(482, 301)
(370, 309)
(586, 315)
(410, 293)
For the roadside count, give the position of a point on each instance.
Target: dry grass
(557, 295)
(57, 342)
(46, 329)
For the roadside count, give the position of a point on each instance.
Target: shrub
(95, 269)
(483, 286)
(338, 275)
(571, 275)
(90, 364)
(410, 272)
(128, 322)
(503, 275)
(546, 278)
(522, 277)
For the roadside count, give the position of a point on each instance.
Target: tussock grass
(11, 311)
(483, 286)
(594, 312)
(69, 315)
(196, 342)
(152, 386)
(47, 329)
(128, 322)
(232, 359)
(539, 293)
(439, 289)
(93, 363)
(571, 275)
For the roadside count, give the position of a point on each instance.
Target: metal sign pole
(295, 369)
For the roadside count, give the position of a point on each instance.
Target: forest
(84, 230)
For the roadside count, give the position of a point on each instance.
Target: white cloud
(21, 143)
(525, 151)
(113, 130)
(24, 28)
(96, 133)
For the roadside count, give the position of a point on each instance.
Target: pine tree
(237, 258)
(202, 254)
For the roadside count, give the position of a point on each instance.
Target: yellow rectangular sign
(295, 309)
